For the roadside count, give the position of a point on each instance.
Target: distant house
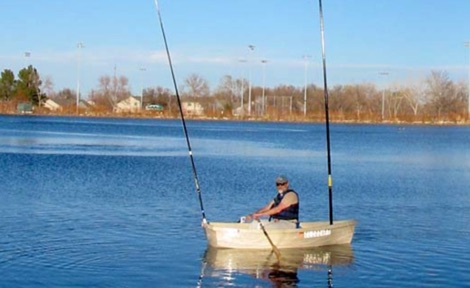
(25, 108)
(130, 104)
(154, 107)
(256, 108)
(86, 105)
(52, 105)
(61, 104)
(192, 108)
(239, 111)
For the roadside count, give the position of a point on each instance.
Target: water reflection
(226, 265)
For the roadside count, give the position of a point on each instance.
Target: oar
(275, 249)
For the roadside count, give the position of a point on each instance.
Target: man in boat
(283, 210)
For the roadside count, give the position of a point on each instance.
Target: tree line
(435, 98)
(27, 87)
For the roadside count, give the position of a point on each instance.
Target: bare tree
(102, 97)
(228, 88)
(48, 87)
(462, 97)
(196, 86)
(415, 95)
(442, 94)
(395, 101)
(123, 89)
(359, 94)
(111, 91)
(157, 95)
(66, 95)
(338, 103)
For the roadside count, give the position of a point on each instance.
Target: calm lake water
(112, 202)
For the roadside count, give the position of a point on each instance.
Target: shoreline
(242, 119)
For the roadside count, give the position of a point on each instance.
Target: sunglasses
(280, 184)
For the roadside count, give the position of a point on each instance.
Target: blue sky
(406, 38)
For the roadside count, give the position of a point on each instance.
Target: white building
(130, 104)
(192, 108)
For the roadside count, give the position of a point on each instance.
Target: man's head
(281, 183)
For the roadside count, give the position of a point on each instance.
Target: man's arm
(286, 202)
(262, 210)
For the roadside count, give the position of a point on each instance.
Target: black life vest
(290, 213)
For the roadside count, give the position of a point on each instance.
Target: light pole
(26, 56)
(242, 89)
(383, 95)
(142, 69)
(264, 61)
(79, 46)
(467, 44)
(251, 47)
(306, 57)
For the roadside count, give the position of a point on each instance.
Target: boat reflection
(226, 264)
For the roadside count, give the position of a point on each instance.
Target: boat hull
(310, 234)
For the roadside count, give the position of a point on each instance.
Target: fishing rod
(327, 114)
(190, 151)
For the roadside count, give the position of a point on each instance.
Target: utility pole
(26, 56)
(251, 47)
(264, 61)
(79, 46)
(115, 84)
(467, 44)
(142, 69)
(306, 57)
(383, 95)
(242, 89)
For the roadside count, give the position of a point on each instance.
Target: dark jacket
(290, 213)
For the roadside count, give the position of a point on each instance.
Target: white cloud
(158, 56)
(211, 60)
